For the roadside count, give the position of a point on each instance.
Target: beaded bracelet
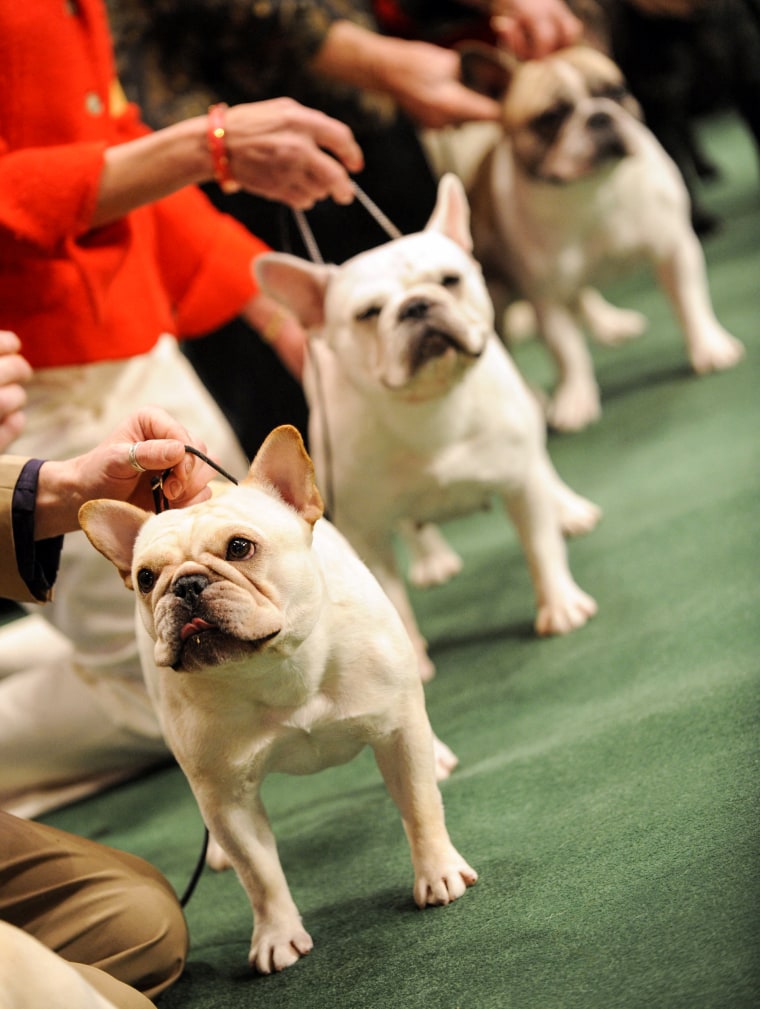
(218, 149)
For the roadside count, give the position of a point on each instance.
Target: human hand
(279, 149)
(15, 372)
(280, 329)
(531, 29)
(425, 81)
(106, 472)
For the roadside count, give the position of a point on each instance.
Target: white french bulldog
(268, 646)
(576, 189)
(418, 413)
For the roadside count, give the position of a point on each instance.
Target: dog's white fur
(559, 206)
(418, 413)
(268, 646)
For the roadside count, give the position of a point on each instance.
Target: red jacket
(73, 295)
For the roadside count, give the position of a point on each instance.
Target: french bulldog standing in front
(268, 646)
(418, 413)
(575, 189)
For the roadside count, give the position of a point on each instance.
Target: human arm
(277, 149)
(422, 78)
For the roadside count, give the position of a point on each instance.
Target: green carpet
(608, 787)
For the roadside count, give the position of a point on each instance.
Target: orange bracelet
(218, 149)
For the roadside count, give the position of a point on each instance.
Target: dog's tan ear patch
(298, 285)
(112, 528)
(282, 462)
(451, 215)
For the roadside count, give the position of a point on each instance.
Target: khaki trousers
(106, 914)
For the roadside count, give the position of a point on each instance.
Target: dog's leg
(608, 324)
(406, 764)
(562, 605)
(432, 561)
(577, 515)
(381, 560)
(575, 402)
(683, 276)
(279, 938)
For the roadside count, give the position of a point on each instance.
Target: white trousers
(73, 723)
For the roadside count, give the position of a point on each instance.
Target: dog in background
(267, 646)
(418, 413)
(684, 59)
(575, 189)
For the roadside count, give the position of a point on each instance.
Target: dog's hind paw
(445, 759)
(273, 948)
(216, 857)
(608, 324)
(573, 407)
(443, 883)
(565, 614)
(719, 352)
(432, 561)
(577, 515)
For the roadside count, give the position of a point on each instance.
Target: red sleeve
(205, 258)
(47, 194)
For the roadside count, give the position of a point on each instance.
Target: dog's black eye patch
(450, 279)
(239, 548)
(145, 580)
(369, 313)
(548, 122)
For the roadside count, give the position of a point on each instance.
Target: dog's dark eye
(550, 121)
(239, 548)
(369, 313)
(450, 279)
(145, 580)
(615, 92)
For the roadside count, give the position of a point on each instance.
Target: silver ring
(132, 457)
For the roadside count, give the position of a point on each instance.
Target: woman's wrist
(149, 168)
(58, 500)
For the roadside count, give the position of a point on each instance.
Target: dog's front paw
(574, 407)
(717, 353)
(277, 946)
(443, 882)
(565, 613)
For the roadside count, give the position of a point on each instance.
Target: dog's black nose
(418, 308)
(189, 587)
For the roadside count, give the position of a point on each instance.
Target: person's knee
(153, 939)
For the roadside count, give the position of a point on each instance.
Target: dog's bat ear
(451, 215)
(296, 284)
(485, 69)
(112, 528)
(283, 463)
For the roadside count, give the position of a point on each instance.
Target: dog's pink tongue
(195, 626)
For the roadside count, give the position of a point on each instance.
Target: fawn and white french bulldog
(575, 189)
(268, 646)
(418, 413)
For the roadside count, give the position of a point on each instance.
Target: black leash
(161, 504)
